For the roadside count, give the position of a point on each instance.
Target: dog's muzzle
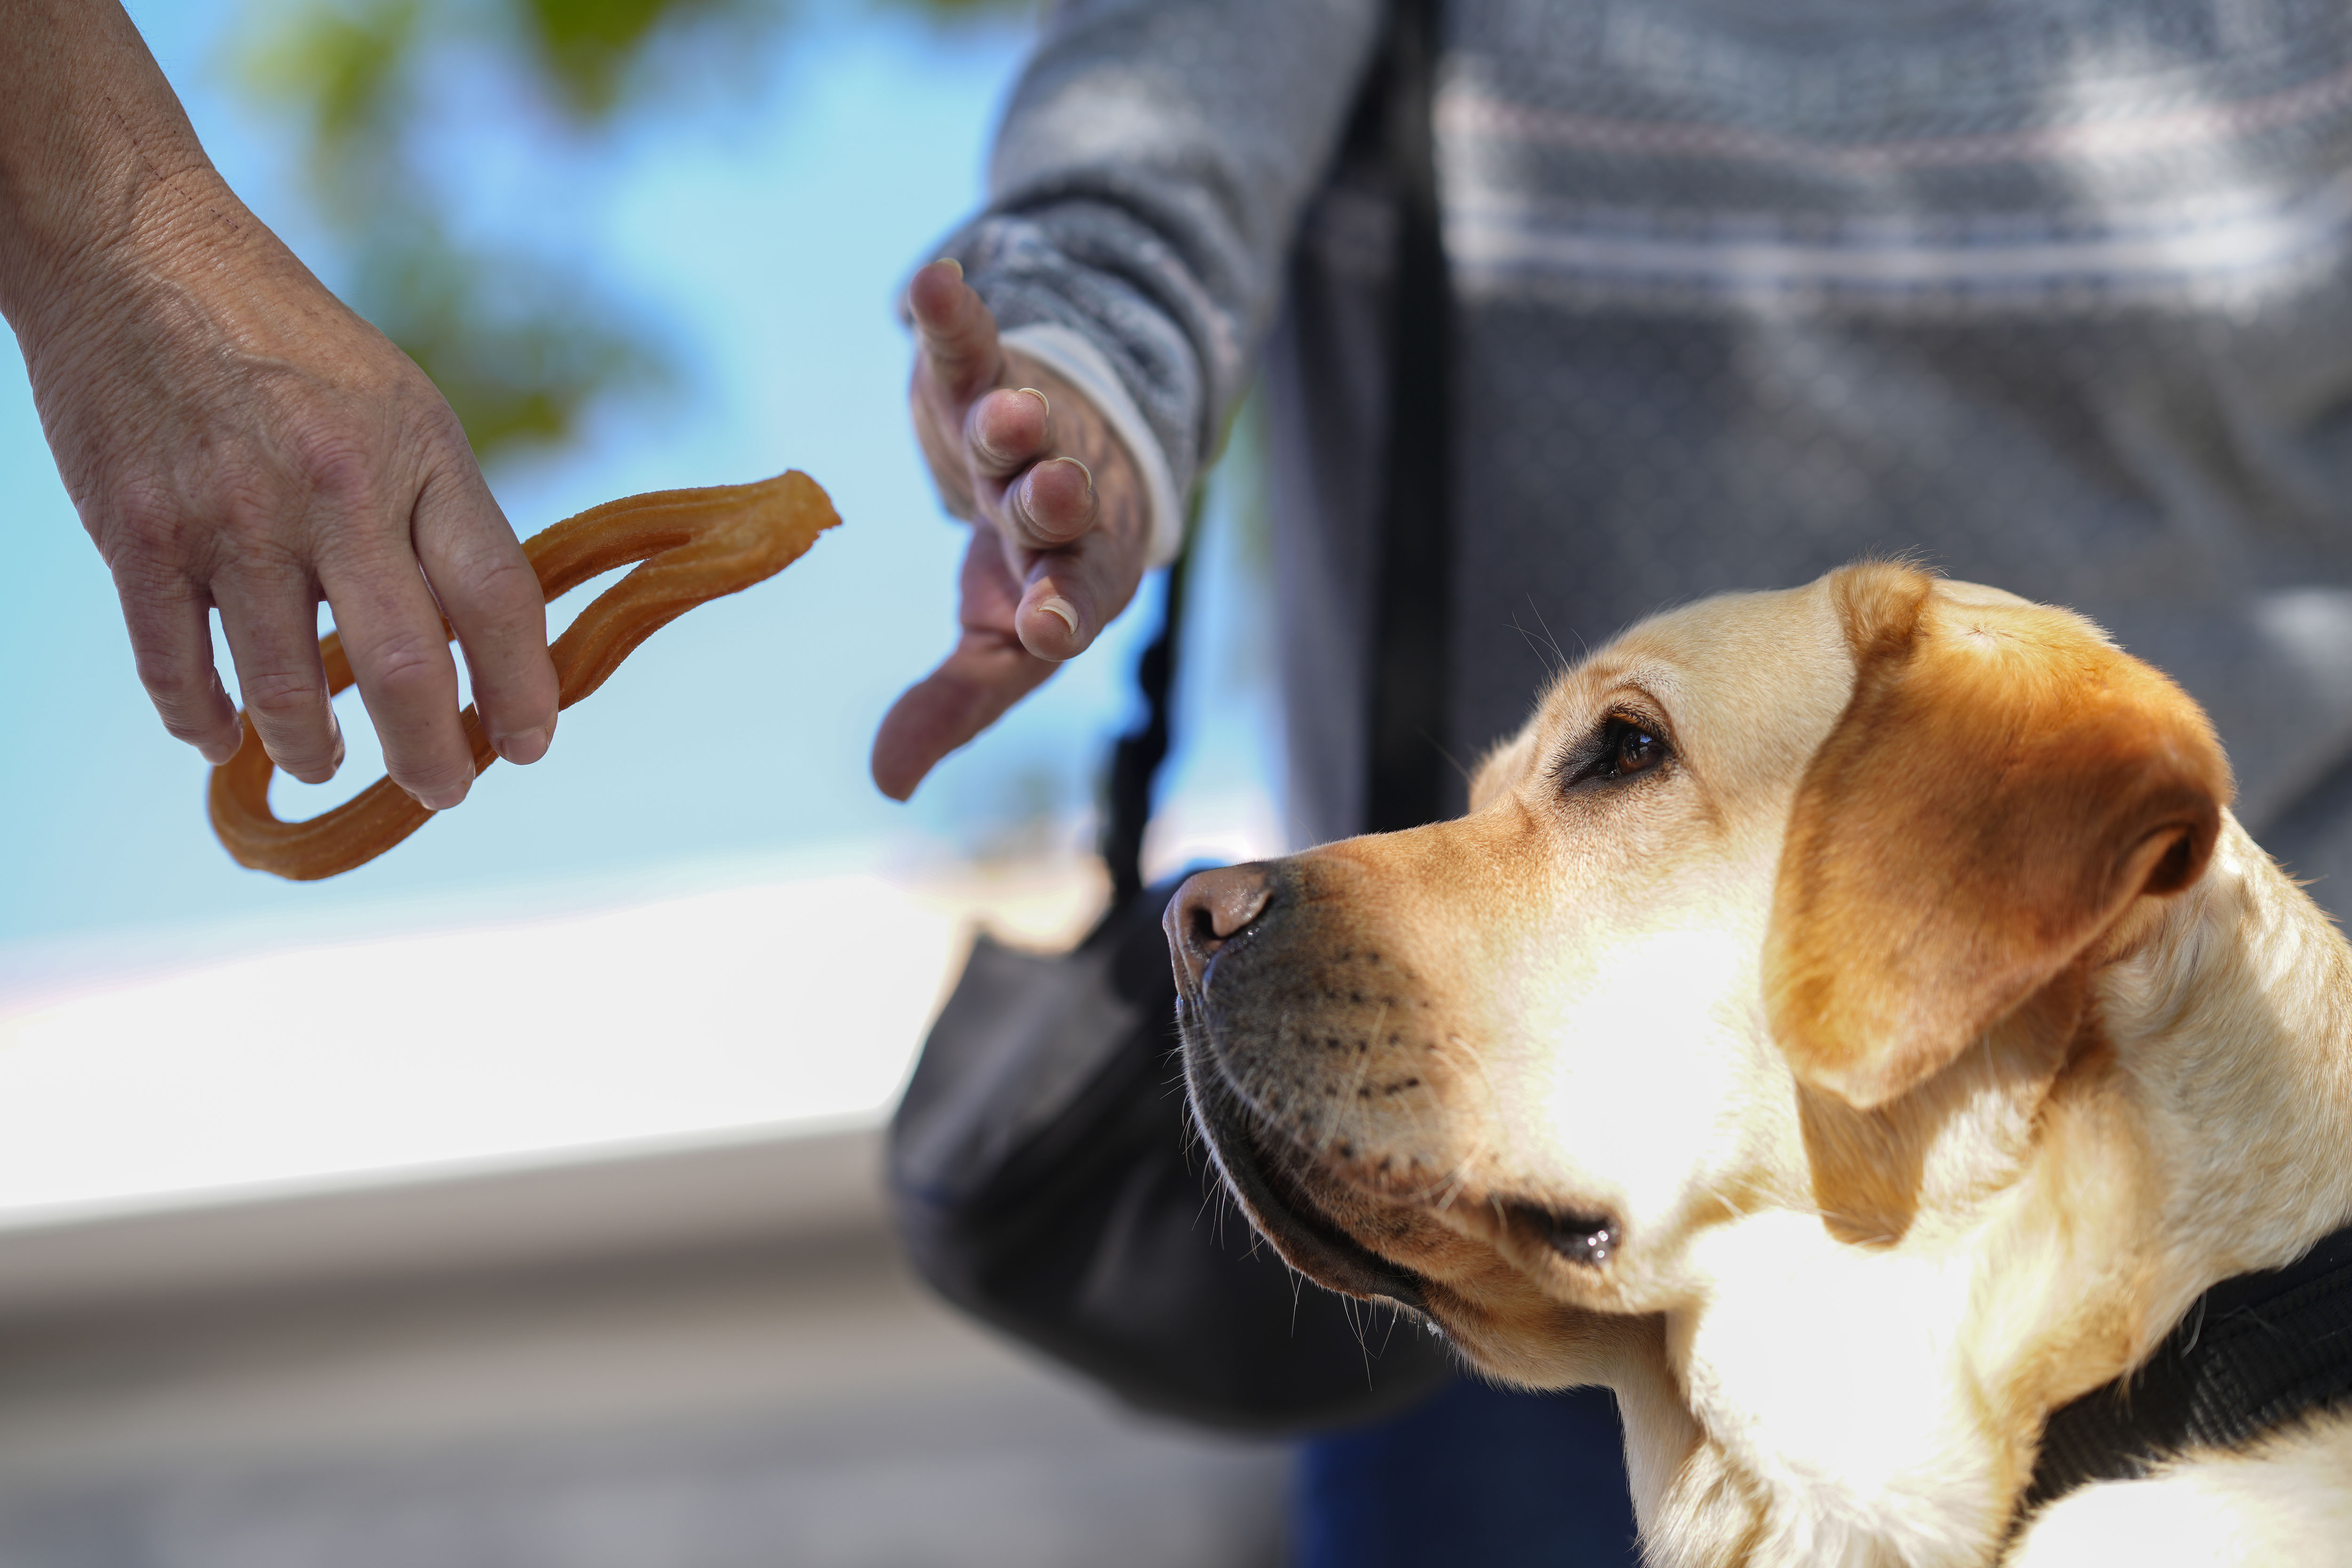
(1215, 920)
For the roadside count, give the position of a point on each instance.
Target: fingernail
(1082, 469)
(951, 261)
(1041, 401)
(525, 746)
(336, 766)
(1064, 609)
(445, 800)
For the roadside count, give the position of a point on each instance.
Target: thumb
(985, 675)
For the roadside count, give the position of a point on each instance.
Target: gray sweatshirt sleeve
(1144, 188)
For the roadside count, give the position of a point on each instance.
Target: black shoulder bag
(1042, 1171)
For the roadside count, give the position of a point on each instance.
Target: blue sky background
(762, 226)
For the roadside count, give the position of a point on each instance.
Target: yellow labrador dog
(1850, 1025)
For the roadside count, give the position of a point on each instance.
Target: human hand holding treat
(1059, 523)
(235, 438)
(696, 546)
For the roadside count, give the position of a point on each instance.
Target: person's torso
(2055, 294)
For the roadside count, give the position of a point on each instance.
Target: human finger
(1006, 430)
(955, 334)
(1051, 505)
(1070, 594)
(393, 634)
(487, 587)
(987, 672)
(271, 620)
(171, 647)
(970, 690)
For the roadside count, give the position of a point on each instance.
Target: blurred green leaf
(337, 64)
(516, 347)
(587, 45)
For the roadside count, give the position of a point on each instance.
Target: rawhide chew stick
(696, 546)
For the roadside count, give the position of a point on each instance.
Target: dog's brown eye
(1637, 750)
(1590, 1239)
(1621, 747)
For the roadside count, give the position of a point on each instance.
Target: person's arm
(234, 438)
(1144, 190)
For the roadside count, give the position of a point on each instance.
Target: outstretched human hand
(235, 438)
(1059, 527)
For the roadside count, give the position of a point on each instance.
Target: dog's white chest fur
(1839, 1384)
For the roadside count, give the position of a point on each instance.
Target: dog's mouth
(1276, 1199)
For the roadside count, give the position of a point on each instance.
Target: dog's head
(1782, 902)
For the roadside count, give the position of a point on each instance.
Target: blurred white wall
(568, 1250)
(703, 1358)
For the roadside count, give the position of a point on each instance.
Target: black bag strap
(1135, 760)
(1407, 781)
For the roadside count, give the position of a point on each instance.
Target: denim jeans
(1474, 1477)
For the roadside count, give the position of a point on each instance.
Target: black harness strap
(2254, 1355)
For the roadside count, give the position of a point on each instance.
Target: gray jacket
(2055, 293)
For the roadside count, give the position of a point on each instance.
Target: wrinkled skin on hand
(260, 453)
(1059, 526)
(235, 438)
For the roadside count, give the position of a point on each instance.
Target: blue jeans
(1471, 1478)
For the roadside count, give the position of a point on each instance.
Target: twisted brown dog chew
(696, 546)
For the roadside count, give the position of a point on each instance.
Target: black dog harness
(2253, 1354)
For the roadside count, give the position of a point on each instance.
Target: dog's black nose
(1207, 911)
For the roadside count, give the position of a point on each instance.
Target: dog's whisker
(1457, 1179)
(1559, 659)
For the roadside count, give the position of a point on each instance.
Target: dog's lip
(1318, 1248)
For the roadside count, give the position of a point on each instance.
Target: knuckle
(146, 535)
(406, 668)
(155, 543)
(335, 463)
(188, 699)
(501, 580)
(144, 513)
(165, 674)
(274, 696)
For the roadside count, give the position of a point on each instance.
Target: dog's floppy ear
(2002, 785)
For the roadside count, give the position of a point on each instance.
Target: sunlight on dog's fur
(1850, 1025)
